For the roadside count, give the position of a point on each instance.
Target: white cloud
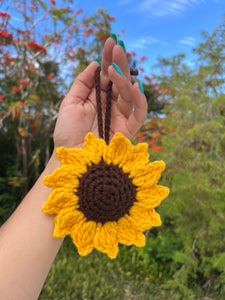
(189, 41)
(166, 7)
(142, 43)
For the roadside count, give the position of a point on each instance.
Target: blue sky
(160, 27)
(156, 28)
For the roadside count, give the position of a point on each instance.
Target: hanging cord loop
(107, 106)
(99, 107)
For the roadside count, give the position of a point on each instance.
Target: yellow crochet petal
(65, 176)
(151, 197)
(59, 199)
(93, 148)
(65, 221)
(83, 236)
(148, 176)
(118, 151)
(156, 220)
(106, 239)
(127, 235)
(138, 159)
(143, 219)
(74, 156)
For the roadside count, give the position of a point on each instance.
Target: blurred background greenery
(185, 257)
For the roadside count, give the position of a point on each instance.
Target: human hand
(77, 115)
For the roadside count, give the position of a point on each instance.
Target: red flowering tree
(47, 39)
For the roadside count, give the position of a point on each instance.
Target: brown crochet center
(105, 192)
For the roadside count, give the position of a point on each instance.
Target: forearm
(27, 248)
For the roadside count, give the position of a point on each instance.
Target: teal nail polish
(113, 35)
(98, 61)
(141, 86)
(117, 69)
(121, 43)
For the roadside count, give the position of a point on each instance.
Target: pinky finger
(139, 114)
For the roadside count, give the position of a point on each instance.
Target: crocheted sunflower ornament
(105, 194)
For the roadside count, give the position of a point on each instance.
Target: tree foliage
(184, 258)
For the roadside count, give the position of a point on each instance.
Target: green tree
(195, 158)
(35, 60)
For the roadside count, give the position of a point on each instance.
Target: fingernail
(98, 61)
(113, 35)
(117, 69)
(121, 43)
(141, 86)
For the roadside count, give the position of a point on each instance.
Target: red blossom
(153, 74)
(111, 19)
(163, 91)
(140, 137)
(16, 89)
(20, 103)
(47, 127)
(143, 58)
(164, 72)
(170, 130)
(4, 15)
(155, 135)
(87, 32)
(141, 69)
(79, 11)
(40, 114)
(73, 28)
(133, 53)
(1, 98)
(52, 2)
(50, 76)
(159, 148)
(6, 35)
(24, 82)
(148, 79)
(151, 142)
(36, 47)
(36, 124)
(15, 112)
(70, 56)
(128, 55)
(34, 97)
(22, 132)
(12, 182)
(23, 32)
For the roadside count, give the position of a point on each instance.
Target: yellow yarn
(63, 201)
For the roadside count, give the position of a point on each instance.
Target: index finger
(82, 86)
(107, 60)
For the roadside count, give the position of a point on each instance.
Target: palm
(77, 115)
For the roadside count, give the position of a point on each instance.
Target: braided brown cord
(108, 112)
(108, 104)
(99, 107)
(98, 102)
(133, 71)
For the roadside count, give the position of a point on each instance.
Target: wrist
(52, 164)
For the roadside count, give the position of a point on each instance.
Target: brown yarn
(99, 107)
(105, 193)
(108, 112)
(134, 72)
(98, 102)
